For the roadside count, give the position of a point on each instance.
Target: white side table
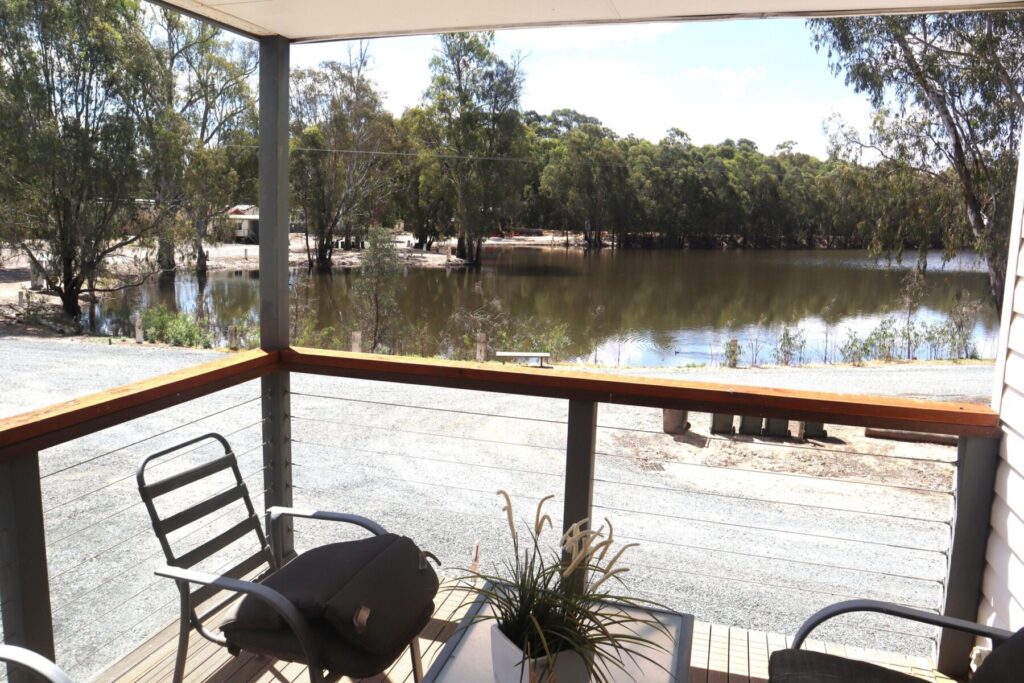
(466, 656)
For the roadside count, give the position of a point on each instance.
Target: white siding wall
(1002, 601)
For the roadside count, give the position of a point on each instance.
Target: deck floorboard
(720, 653)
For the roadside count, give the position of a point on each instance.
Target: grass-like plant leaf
(548, 601)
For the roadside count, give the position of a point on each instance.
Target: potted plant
(554, 613)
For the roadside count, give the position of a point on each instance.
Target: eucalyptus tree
(478, 135)
(203, 113)
(424, 194)
(376, 291)
(587, 179)
(342, 145)
(947, 94)
(72, 77)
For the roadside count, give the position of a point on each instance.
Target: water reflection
(639, 308)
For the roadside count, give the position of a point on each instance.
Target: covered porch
(743, 532)
(39, 603)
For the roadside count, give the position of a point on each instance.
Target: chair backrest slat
(200, 510)
(159, 488)
(204, 510)
(217, 543)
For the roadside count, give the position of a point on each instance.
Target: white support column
(273, 240)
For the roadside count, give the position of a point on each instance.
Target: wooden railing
(55, 424)
(61, 422)
(26, 611)
(961, 419)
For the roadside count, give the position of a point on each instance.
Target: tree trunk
(165, 255)
(200, 234)
(323, 256)
(980, 226)
(69, 300)
(201, 280)
(91, 289)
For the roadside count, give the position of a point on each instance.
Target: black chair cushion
(334, 654)
(365, 599)
(804, 666)
(1005, 663)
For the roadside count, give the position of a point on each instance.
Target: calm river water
(640, 308)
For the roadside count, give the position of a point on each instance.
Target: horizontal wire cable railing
(761, 540)
(711, 437)
(100, 543)
(375, 444)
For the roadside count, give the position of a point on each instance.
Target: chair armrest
(34, 662)
(280, 604)
(275, 512)
(997, 635)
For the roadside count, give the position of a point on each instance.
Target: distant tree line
(125, 125)
(469, 162)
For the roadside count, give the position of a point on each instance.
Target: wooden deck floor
(721, 654)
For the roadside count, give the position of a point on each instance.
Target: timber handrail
(963, 419)
(62, 422)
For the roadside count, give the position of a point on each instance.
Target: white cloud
(399, 66)
(725, 81)
(709, 103)
(582, 39)
(636, 88)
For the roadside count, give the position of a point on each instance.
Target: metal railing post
(580, 445)
(977, 460)
(24, 580)
(273, 241)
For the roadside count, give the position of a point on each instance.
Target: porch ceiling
(312, 20)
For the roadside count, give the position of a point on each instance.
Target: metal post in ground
(674, 421)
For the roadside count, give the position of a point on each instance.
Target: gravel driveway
(756, 533)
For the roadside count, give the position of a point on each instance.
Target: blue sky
(759, 79)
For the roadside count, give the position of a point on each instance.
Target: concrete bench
(525, 355)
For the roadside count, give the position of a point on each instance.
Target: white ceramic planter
(509, 667)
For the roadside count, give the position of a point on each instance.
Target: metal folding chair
(263, 563)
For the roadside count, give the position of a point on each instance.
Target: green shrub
(790, 347)
(502, 332)
(881, 342)
(732, 352)
(154, 323)
(911, 336)
(854, 349)
(176, 329)
(324, 338)
(935, 337)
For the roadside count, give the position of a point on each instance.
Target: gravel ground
(756, 533)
